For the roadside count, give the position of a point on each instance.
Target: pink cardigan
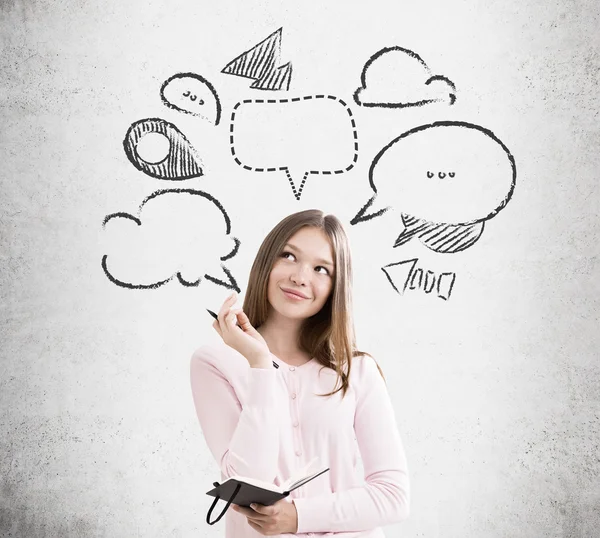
(269, 423)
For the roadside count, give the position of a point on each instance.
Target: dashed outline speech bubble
(297, 193)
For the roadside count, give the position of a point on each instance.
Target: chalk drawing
(442, 238)
(395, 77)
(261, 63)
(446, 178)
(181, 229)
(181, 161)
(404, 275)
(299, 136)
(192, 94)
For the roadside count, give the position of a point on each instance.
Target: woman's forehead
(313, 242)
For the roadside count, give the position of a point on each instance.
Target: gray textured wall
(496, 390)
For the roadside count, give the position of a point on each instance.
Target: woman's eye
(324, 269)
(286, 254)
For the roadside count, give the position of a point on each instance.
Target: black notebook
(243, 491)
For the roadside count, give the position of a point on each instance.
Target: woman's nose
(300, 275)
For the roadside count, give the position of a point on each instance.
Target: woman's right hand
(244, 338)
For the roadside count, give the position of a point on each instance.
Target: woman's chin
(291, 311)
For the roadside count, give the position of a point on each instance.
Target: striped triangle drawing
(261, 63)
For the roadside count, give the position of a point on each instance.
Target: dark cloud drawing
(395, 77)
(191, 93)
(261, 63)
(183, 232)
(181, 161)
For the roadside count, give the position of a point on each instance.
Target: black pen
(217, 317)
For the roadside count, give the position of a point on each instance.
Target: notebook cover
(247, 494)
(250, 493)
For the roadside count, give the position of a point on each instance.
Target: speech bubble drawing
(446, 178)
(300, 136)
(395, 77)
(178, 236)
(192, 94)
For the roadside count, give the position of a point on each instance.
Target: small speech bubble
(314, 134)
(192, 94)
(446, 178)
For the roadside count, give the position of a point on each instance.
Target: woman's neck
(282, 336)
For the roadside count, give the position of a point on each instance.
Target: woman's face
(302, 276)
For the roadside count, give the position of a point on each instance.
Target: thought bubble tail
(362, 215)
(403, 238)
(229, 282)
(412, 227)
(297, 188)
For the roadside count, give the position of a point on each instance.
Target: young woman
(264, 422)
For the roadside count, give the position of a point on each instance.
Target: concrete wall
(496, 387)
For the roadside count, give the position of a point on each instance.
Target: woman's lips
(292, 295)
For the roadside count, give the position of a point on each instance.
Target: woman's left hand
(278, 518)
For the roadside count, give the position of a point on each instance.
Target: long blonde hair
(328, 336)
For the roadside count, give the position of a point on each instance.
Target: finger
(250, 515)
(243, 510)
(249, 512)
(244, 322)
(231, 320)
(217, 328)
(261, 508)
(227, 320)
(236, 312)
(226, 306)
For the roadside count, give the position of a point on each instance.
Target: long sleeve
(384, 499)
(243, 439)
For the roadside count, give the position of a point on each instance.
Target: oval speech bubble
(192, 94)
(446, 172)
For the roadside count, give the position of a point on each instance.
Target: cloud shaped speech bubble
(446, 178)
(314, 134)
(395, 77)
(184, 233)
(192, 94)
